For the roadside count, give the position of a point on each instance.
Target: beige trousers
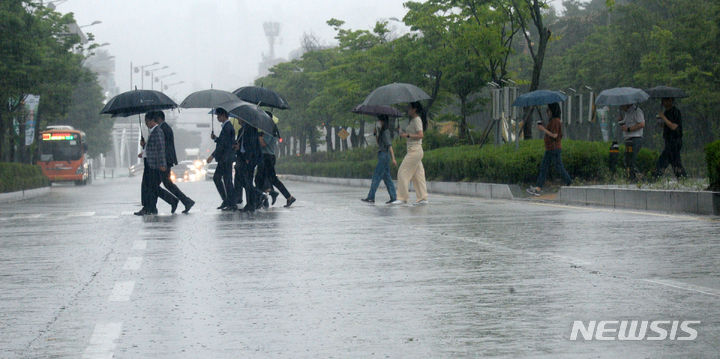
(411, 169)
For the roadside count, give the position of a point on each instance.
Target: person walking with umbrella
(171, 159)
(155, 165)
(553, 149)
(411, 168)
(385, 155)
(225, 156)
(672, 135)
(249, 154)
(632, 123)
(267, 178)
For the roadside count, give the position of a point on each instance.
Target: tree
(525, 12)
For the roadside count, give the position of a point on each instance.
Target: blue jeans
(550, 157)
(382, 172)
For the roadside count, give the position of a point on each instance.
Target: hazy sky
(217, 42)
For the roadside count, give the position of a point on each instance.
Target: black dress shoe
(274, 196)
(368, 200)
(290, 201)
(230, 208)
(265, 202)
(174, 205)
(188, 205)
(222, 205)
(141, 212)
(248, 208)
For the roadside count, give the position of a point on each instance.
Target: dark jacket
(223, 144)
(249, 141)
(170, 155)
(155, 149)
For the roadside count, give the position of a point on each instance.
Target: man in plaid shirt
(155, 165)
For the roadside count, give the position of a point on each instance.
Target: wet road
(332, 277)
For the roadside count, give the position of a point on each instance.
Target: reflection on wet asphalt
(332, 277)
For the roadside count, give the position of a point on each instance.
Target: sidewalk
(23, 195)
(672, 201)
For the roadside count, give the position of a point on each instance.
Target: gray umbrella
(208, 99)
(250, 114)
(666, 92)
(396, 93)
(621, 96)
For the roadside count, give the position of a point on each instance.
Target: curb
(693, 202)
(471, 189)
(23, 195)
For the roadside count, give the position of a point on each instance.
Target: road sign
(344, 134)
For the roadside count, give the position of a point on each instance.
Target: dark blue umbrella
(621, 96)
(538, 98)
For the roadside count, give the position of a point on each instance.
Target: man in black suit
(225, 156)
(155, 165)
(171, 159)
(249, 155)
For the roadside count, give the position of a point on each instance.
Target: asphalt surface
(333, 277)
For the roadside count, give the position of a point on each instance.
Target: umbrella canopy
(666, 92)
(137, 102)
(396, 93)
(208, 99)
(538, 98)
(621, 96)
(249, 114)
(377, 110)
(262, 97)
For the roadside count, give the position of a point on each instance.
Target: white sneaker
(396, 202)
(424, 201)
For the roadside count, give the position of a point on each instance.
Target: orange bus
(63, 155)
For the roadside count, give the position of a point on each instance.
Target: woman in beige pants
(411, 168)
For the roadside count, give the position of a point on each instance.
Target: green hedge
(587, 161)
(712, 157)
(18, 176)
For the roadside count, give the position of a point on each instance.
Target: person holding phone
(385, 156)
(553, 149)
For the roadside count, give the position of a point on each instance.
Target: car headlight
(80, 170)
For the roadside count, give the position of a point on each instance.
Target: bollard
(614, 156)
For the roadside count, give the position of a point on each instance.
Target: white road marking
(102, 342)
(139, 245)
(122, 291)
(685, 286)
(133, 263)
(621, 210)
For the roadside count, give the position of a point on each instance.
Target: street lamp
(96, 22)
(141, 70)
(152, 75)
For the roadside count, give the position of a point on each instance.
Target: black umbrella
(395, 93)
(137, 102)
(249, 114)
(375, 110)
(262, 97)
(666, 92)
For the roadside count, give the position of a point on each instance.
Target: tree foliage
(39, 56)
